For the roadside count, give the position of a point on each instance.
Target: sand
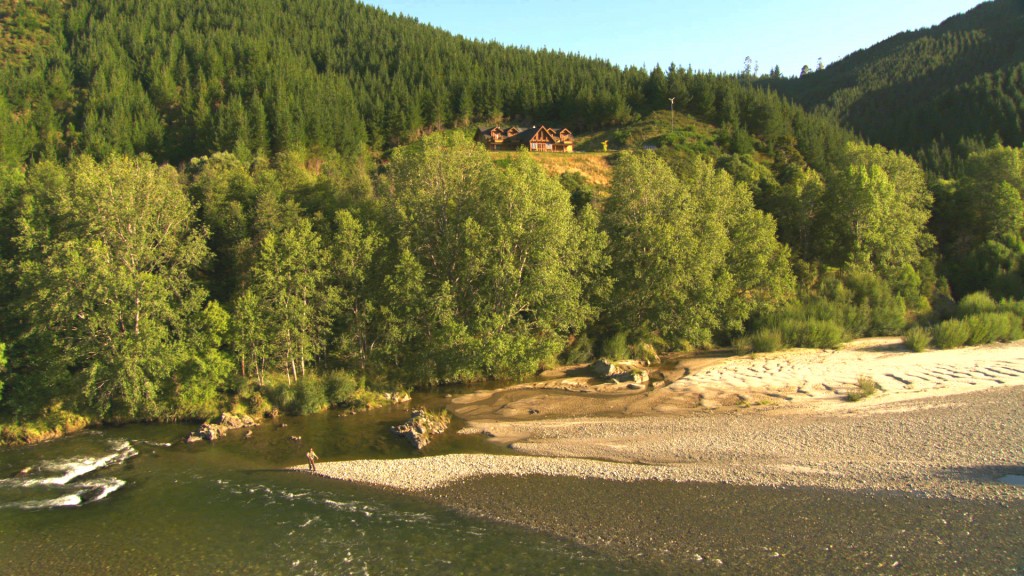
(945, 424)
(756, 465)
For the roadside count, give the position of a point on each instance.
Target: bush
(279, 392)
(341, 387)
(54, 422)
(917, 338)
(952, 333)
(310, 396)
(866, 386)
(580, 351)
(992, 327)
(615, 348)
(888, 317)
(645, 351)
(763, 340)
(976, 303)
(812, 333)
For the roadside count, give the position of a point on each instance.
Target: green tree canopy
(495, 256)
(107, 251)
(691, 258)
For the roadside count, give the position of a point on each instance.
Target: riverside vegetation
(195, 220)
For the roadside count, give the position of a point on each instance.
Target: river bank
(744, 436)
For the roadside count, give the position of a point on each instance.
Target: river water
(136, 500)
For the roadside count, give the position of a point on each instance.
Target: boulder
(397, 397)
(606, 368)
(637, 379)
(230, 420)
(211, 431)
(422, 427)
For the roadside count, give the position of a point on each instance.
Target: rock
(230, 420)
(23, 472)
(605, 368)
(211, 431)
(623, 372)
(398, 397)
(423, 425)
(248, 434)
(297, 438)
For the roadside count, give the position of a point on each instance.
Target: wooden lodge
(536, 139)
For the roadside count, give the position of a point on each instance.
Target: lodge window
(547, 146)
(533, 145)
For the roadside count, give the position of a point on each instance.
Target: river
(136, 500)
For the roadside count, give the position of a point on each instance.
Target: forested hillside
(178, 80)
(269, 204)
(938, 93)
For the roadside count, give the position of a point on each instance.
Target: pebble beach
(944, 432)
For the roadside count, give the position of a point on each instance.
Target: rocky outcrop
(423, 426)
(211, 431)
(632, 372)
(604, 368)
(399, 397)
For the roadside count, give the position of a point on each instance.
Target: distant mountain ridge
(960, 80)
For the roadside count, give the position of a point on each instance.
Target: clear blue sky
(711, 35)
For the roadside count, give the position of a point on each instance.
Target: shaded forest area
(205, 209)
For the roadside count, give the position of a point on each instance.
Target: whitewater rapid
(62, 482)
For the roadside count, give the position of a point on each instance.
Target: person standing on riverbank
(312, 458)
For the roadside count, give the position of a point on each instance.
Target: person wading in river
(312, 458)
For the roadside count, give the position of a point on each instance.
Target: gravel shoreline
(908, 480)
(946, 447)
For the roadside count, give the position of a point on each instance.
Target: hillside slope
(962, 79)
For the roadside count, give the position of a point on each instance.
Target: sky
(715, 35)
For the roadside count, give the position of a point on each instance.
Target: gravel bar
(948, 447)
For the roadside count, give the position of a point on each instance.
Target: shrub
(645, 351)
(766, 340)
(812, 333)
(917, 338)
(341, 387)
(580, 351)
(1016, 307)
(976, 303)
(256, 404)
(866, 386)
(952, 333)
(888, 317)
(615, 348)
(742, 344)
(279, 392)
(992, 327)
(310, 395)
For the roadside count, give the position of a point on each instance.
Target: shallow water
(134, 499)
